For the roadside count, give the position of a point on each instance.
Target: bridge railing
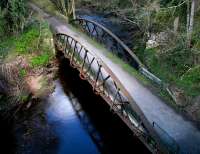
(106, 84)
(103, 81)
(107, 38)
(168, 143)
(94, 70)
(91, 68)
(115, 45)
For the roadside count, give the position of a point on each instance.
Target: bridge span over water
(156, 124)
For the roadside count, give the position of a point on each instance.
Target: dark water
(125, 31)
(7, 139)
(68, 128)
(73, 120)
(129, 34)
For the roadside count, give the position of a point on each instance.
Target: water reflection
(73, 120)
(105, 128)
(72, 136)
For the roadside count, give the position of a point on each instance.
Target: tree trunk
(176, 25)
(73, 9)
(188, 17)
(191, 22)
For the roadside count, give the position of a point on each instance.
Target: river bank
(69, 117)
(35, 79)
(43, 114)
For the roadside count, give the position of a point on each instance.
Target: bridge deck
(180, 129)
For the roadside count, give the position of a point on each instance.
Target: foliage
(34, 41)
(162, 20)
(50, 8)
(29, 48)
(65, 7)
(14, 12)
(40, 60)
(2, 22)
(47, 5)
(174, 63)
(166, 3)
(191, 81)
(24, 43)
(196, 35)
(178, 56)
(5, 46)
(61, 5)
(28, 41)
(22, 73)
(173, 58)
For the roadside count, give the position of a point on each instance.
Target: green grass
(173, 69)
(21, 44)
(150, 59)
(190, 81)
(40, 60)
(128, 68)
(35, 39)
(35, 43)
(27, 41)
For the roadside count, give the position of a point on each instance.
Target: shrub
(2, 22)
(191, 81)
(27, 40)
(14, 15)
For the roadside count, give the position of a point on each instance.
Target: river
(71, 120)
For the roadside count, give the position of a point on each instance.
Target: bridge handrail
(116, 38)
(141, 67)
(119, 84)
(135, 107)
(170, 144)
(105, 66)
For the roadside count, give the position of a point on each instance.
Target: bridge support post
(96, 80)
(82, 66)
